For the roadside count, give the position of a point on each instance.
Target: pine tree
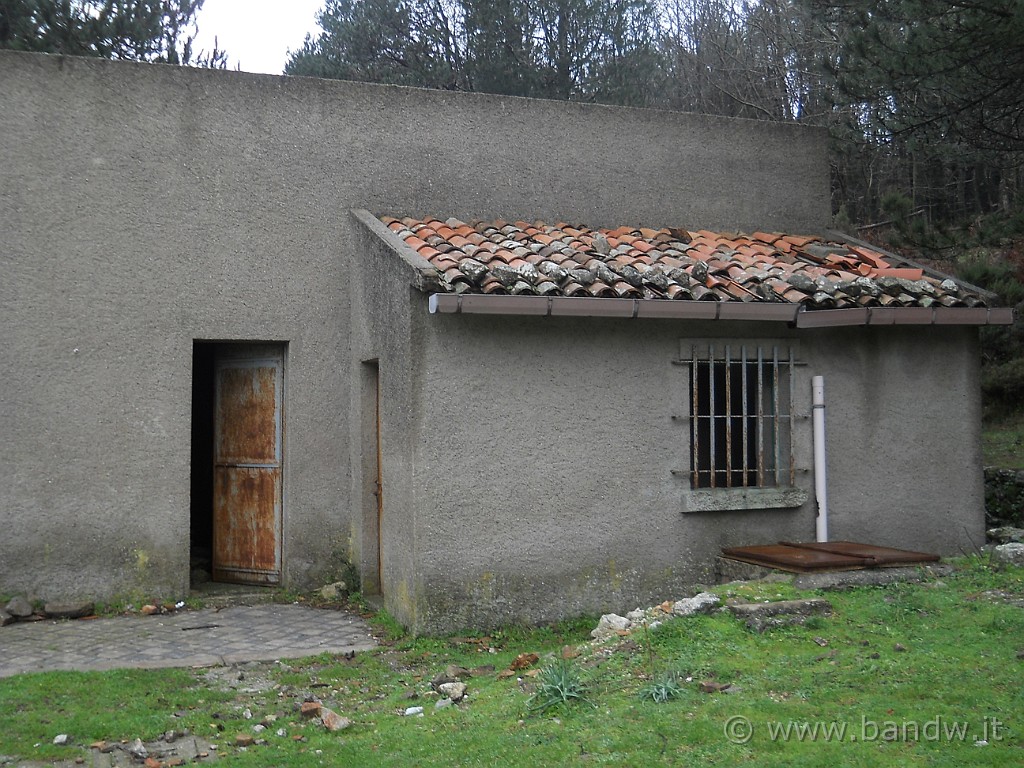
(949, 72)
(589, 50)
(141, 30)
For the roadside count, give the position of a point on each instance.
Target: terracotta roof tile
(799, 241)
(572, 288)
(668, 264)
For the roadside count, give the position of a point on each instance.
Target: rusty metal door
(247, 465)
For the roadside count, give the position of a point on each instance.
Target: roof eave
(564, 306)
(423, 276)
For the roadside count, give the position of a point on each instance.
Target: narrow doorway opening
(237, 462)
(372, 549)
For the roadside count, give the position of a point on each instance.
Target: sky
(257, 33)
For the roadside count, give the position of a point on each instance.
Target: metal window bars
(741, 419)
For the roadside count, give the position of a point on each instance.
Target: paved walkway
(206, 637)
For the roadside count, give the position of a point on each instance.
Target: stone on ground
(610, 624)
(454, 691)
(1006, 534)
(69, 610)
(332, 721)
(704, 602)
(19, 607)
(1009, 554)
(808, 607)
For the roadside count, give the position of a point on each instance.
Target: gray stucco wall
(904, 437)
(387, 345)
(143, 207)
(546, 458)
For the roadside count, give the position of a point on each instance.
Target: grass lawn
(900, 675)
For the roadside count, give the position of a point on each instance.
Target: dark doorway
(237, 462)
(372, 561)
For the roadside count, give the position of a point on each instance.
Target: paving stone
(185, 639)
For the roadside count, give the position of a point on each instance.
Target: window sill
(734, 499)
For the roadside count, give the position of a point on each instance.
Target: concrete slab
(872, 577)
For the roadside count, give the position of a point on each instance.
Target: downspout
(820, 482)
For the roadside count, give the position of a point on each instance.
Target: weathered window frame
(755, 468)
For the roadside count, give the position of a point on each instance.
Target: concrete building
(218, 344)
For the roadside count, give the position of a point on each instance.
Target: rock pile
(448, 686)
(328, 718)
(757, 616)
(170, 749)
(18, 608)
(1006, 534)
(612, 624)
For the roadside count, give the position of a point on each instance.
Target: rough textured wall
(904, 437)
(145, 206)
(549, 445)
(389, 336)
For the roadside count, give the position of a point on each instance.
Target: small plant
(664, 688)
(388, 625)
(559, 683)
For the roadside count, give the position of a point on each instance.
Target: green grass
(93, 706)
(890, 659)
(1003, 442)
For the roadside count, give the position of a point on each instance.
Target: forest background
(923, 100)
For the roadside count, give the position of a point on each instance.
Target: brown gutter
(565, 306)
(831, 318)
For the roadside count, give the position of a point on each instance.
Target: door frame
(247, 354)
(371, 560)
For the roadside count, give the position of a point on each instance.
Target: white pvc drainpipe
(820, 483)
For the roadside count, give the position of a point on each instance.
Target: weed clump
(665, 688)
(558, 684)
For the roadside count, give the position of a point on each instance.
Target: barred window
(741, 418)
